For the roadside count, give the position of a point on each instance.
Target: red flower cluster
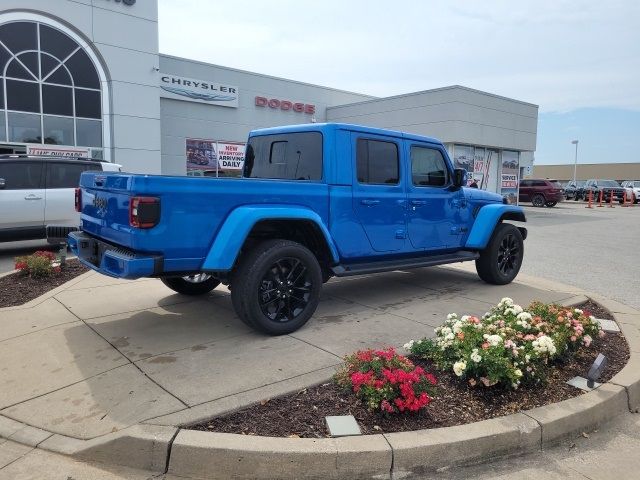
(387, 381)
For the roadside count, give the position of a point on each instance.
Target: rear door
(379, 197)
(22, 199)
(62, 178)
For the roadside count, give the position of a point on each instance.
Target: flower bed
(20, 287)
(451, 402)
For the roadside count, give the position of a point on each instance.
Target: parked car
(633, 190)
(606, 186)
(315, 201)
(571, 189)
(36, 191)
(541, 192)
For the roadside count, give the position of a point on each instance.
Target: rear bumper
(112, 260)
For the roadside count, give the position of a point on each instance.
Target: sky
(578, 60)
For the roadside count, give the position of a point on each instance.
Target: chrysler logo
(198, 95)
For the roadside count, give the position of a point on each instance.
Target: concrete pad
(30, 436)
(237, 364)
(28, 320)
(141, 446)
(131, 296)
(40, 465)
(579, 414)
(98, 280)
(8, 427)
(238, 456)
(581, 383)
(432, 310)
(50, 359)
(159, 330)
(12, 451)
(204, 411)
(608, 325)
(102, 404)
(375, 292)
(344, 334)
(423, 451)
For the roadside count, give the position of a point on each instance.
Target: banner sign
(509, 176)
(201, 91)
(212, 155)
(53, 151)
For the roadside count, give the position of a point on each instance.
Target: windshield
(607, 183)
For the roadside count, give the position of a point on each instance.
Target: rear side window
(66, 175)
(428, 168)
(21, 175)
(377, 162)
(525, 183)
(539, 183)
(291, 156)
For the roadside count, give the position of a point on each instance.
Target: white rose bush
(509, 345)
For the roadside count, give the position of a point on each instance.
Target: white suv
(632, 187)
(36, 191)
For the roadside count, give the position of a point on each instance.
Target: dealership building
(85, 77)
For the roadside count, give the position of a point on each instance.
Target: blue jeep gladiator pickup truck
(315, 201)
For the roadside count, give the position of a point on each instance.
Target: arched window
(49, 88)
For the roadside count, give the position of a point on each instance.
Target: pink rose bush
(386, 381)
(508, 345)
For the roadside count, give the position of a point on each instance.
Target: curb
(168, 449)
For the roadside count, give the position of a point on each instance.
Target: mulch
(18, 288)
(302, 414)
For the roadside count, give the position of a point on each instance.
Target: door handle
(369, 202)
(32, 197)
(418, 202)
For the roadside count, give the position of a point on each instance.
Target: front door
(434, 220)
(379, 197)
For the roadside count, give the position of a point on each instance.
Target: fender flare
(488, 217)
(235, 229)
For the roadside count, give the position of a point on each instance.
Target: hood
(477, 195)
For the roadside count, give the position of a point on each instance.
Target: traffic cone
(590, 199)
(611, 199)
(601, 195)
(624, 199)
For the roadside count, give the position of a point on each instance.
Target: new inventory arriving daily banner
(207, 155)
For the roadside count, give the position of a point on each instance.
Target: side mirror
(2, 183)
(459, 177)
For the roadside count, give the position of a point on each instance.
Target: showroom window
(49, 88)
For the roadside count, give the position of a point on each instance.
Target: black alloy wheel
(508, 254)
(285, 290)
(276, 286)
(501, 259)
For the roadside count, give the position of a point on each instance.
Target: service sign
(53, 151)
(201, 91)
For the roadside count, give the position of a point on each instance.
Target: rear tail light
(78, 200)
(144, 212)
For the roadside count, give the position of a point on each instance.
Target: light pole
(575, 162)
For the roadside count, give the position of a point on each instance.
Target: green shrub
(40, 264)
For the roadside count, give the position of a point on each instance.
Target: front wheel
(276, 287)
(500, 261)
(538, 200)
(198, 284)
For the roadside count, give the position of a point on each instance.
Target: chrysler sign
(202, 91)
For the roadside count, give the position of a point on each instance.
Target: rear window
(66, 174)
(291, 156)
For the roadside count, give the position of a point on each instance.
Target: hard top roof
(326, 127)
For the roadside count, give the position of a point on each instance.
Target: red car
(541, 192)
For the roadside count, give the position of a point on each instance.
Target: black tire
(191, 287)
(276, 286)
(551, 204)
(538, 200)
(500, 261)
